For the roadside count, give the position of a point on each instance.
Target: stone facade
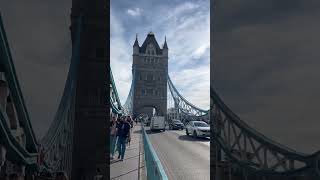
(90, 127)
(149, 72)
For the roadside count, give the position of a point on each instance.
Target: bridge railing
(153, 165)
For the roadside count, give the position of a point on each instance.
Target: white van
(157, 123)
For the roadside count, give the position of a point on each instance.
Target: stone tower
(90, 124)
(150, 73)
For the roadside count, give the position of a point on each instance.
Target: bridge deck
(132, 168)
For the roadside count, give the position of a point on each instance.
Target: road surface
(182, 157)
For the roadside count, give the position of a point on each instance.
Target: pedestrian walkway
(132, 168)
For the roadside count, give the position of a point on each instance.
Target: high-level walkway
(132, 167)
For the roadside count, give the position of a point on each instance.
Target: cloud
(193, 84)
(134, 12)
(199, 52)
(120, 58)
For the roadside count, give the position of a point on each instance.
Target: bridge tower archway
(147, 110)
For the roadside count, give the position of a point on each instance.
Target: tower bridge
(238, 151)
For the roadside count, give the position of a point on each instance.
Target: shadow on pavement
(190, 138)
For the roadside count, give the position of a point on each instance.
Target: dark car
(176, 124)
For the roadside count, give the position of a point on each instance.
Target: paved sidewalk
(132, 167)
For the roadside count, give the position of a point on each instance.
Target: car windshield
(176, 121)
(200, 124)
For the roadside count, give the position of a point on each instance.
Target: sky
(266, 67)
(186, 25)
(39, 39)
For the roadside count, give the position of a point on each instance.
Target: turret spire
(165, 46)
(136, 43)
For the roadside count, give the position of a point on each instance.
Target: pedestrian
(123, 133)
(130, 121)
(113, 135)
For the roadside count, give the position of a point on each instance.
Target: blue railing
(153, 165)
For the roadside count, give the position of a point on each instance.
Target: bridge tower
(91, 112)
(150, 73)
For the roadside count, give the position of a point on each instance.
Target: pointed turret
(165, 46)
(136, 45)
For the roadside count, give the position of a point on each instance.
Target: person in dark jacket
(123, 133)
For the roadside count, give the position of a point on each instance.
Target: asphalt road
(182, 157)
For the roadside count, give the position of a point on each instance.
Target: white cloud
(194, 85)
(120, 58)
(199, 52)
(134, 12)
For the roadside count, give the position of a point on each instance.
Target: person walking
(113, 135)
(130, 121)
(123, 129)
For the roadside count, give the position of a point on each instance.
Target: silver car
(198, 129)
